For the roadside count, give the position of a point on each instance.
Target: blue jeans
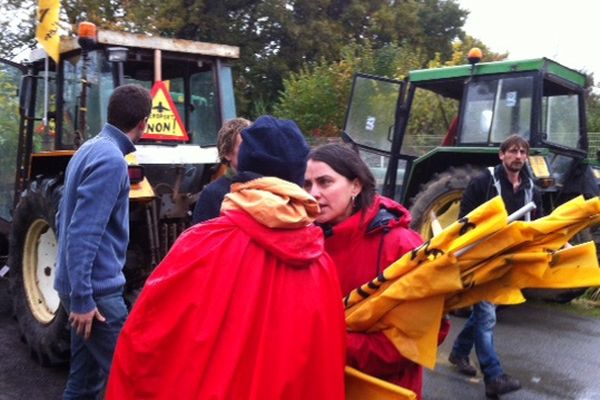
(91, 359)
(479, 331)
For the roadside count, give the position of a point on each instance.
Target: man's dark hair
(345, 161)
(514, 140)
(128, 105)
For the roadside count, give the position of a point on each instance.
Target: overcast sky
(565, 31)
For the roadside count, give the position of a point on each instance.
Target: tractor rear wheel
(32, 260)
(440, 199)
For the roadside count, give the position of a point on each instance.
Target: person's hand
(82, 323)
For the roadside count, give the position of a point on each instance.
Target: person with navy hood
(93, 233)
(246, 305)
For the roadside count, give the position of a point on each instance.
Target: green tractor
(49, 109)
(426, 160)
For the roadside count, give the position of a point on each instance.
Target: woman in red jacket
(364, 233)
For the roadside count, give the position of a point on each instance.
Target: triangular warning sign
(164, 122)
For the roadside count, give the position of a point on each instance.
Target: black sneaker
(500, 385)
(463, 365)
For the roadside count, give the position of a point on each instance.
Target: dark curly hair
(227, 135)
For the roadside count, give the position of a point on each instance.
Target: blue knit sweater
(93, 220)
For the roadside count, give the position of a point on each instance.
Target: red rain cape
(236, 311)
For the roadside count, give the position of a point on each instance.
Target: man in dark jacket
(510, 180)
(229, 139)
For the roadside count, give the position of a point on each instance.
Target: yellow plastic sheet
(479, 257)
(360, 386)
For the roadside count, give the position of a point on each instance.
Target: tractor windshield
(194, 81)
(495, 109)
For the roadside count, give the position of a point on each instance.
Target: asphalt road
(20, 376)
(555, 355)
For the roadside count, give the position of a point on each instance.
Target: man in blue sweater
(93, 226)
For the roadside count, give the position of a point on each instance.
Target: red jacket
(362, 246)
(236, 311)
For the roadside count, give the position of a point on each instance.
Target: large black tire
(32, 260)
(442, 195)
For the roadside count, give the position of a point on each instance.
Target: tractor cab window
(201, 117)
(370, 124)
(191, 84)
(560, 122)
(430, 121)
(99, 88)
(495, 109)
(204, 110)
(45, 131)
(371, 115)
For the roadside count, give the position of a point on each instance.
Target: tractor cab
(48, 109)
(424, 137)
(74, 94)
(540, 100)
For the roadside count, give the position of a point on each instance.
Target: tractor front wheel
(32, 260)
(440, 199)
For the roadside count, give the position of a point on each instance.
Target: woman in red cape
(364, 233)
(247, 305)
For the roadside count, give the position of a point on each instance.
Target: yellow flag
(47, 27)
(479, 257)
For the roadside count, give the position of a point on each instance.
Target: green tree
(17, 19)
(316, 97)
(277, 37)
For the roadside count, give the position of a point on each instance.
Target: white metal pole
(511, 218)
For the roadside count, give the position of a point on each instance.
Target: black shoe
(500, 385)
(463, 365)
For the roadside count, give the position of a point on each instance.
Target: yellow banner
(479, 257)
(47, 27)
